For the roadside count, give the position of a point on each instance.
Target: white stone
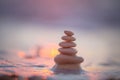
(67, 51)
(67, 44)
(68, 38)
(68, 33)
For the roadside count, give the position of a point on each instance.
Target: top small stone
(68, 33)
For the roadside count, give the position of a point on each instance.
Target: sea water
(42, 68)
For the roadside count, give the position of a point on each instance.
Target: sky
(25, 24)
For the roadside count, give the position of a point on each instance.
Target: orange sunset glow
(21, 54)
(49, 51)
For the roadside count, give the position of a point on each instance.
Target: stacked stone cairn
(67, 61)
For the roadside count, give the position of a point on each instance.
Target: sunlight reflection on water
(29, 68)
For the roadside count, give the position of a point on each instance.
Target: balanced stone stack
(67, 61)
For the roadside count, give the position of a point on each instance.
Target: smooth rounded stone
(68, 33)
(64, 59)
(68, 38)
(67, 51)
(67, 44)
(67, 69)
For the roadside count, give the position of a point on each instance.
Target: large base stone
(67, 69)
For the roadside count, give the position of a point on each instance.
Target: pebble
(67, 59)
(67, 51)
(67, 44)
(64, 59)
(68, 38)
(68, 33)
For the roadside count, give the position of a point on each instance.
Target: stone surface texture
(67, 61)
